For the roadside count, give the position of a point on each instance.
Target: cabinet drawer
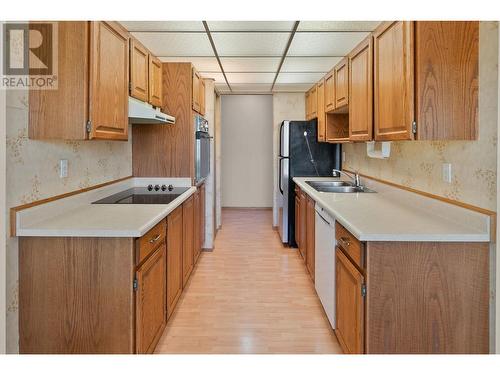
(150, 241)
(349, 244)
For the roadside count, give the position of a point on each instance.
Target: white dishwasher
(324, 279)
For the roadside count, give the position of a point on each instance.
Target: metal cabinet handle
(344, 242)
(155, 238)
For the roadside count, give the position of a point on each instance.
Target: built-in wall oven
(201, 148)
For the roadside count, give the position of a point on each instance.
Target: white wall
(210, 181)
(218, 166)
(497, 255)
(247, 150)
(286, 106)
(3, 255)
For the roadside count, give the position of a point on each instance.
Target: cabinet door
(341, 92)
(188, 239)
(308, 106)
(197, 225)
(150, 303)
(202, 97)
(203, 210)
(297, 220)
(174, 259)
(196, 91)
(349, 305)
(393, 81)
(303, 225)
(313, 98)
(321, 110)
(155, 81)
(329, 92)
(109, 81)
(361, 92)
(310, 239)
(139, 71)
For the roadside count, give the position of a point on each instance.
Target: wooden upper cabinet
(349, 305)
(139, 71)
(313, 97)
(446, 69)
(330, 92)
(174, 258)
(155, 81)
(361, 91)
(341, 91)
(320, 92)
(151, 301)
(93, 85)
(202, 97)
(109, 81)
(196, 90)
(308, 105)
(393, 80)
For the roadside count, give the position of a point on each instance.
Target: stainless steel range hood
(144, 113)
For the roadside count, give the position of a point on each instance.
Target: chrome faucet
(353, 176)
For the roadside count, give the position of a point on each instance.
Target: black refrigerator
(300, 155)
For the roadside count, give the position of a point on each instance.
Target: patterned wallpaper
(418, 164)
(33, 174)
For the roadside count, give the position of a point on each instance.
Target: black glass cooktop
(142, 195)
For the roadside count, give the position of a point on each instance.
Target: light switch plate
(63, 168)
(447, 173)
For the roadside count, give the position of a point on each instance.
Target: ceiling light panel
(163, 26)
(309, 64)
(236, 78)
(230, 26)
(250, 44)
(250, 64)
(299, 77)
(338, 26)
(251, 87)
(207, 64)
(176, 44)
(324, 44)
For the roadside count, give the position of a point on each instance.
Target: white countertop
(393, 214)
(76, 216)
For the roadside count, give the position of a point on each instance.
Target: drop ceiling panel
(208, 64)
(250, 25)
(291, 87)
(337, 25)
(176, 44)
(299, 77)
(250, 44)
(163, 25)
(324, 44)
(253, 64)
(235, 78)
(309, 64)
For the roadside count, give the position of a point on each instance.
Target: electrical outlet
(447, 173)
(63, 168)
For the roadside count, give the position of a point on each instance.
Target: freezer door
(284, 150)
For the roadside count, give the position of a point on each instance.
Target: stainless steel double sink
(338, 187)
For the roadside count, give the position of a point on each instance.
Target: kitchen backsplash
(33, 174)
(418, 164)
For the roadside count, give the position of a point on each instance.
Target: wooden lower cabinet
(411, 297)
(310, 235)
(188, 239)
(151, 301)
(174, 258)
(349, 305)
(297, 217)
(303, 224)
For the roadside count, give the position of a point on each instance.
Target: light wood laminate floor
(250, 295)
